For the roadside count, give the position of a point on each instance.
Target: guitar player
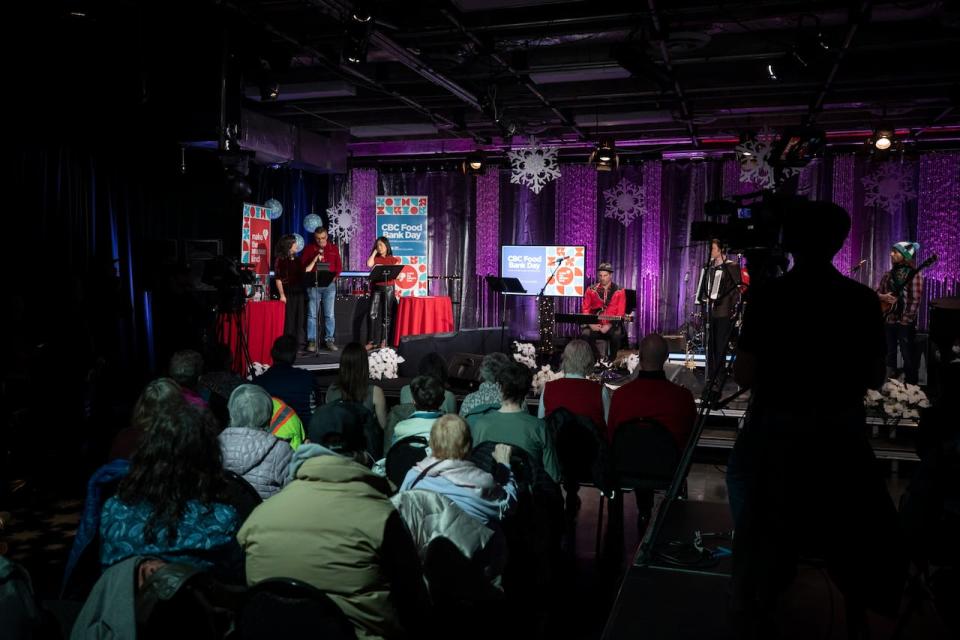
(605, 298)
(903, 292)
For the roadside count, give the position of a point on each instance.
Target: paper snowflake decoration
(343, 218)
(754, 158)
(533, 166)
(624, 202)
(889, 186)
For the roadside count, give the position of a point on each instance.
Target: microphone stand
(540, 297)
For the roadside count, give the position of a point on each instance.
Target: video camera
(750, 225)
(230, 280)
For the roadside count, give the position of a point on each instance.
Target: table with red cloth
(262, 323)
(420, 315)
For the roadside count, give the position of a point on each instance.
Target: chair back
(280, 607)
(403, 455)
(644, 455)
(581, 449)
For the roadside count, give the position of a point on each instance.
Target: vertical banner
(403, 221)
(255, 241)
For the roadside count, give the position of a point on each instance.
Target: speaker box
(463, 370)
(350, 312)
(478, 341)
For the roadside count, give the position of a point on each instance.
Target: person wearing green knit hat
(901, 291)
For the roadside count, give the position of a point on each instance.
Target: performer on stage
(903, 293)
(382, 299)
(605, 298)
(724, 304)
(321, 250)
(288, 279)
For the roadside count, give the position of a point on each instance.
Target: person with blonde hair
(449, 472)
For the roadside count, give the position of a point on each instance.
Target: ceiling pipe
(351, 75)
(817, 104)
(530, 86)
(665, 55)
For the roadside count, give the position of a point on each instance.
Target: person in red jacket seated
(651, 396)
(573, 391)
(605, 298)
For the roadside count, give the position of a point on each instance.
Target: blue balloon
(275, 208)
(300, 243)
(311, 222)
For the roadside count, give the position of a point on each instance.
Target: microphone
(859, 264)
(561, 259)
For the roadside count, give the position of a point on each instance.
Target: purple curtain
(363, 197)
(487, 232)
(939, 225)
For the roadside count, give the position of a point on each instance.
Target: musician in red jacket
(605, 298)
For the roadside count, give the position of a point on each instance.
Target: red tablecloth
(262, 323)
(420, 315)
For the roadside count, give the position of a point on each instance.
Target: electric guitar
(897, 306)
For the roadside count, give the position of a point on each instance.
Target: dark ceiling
(459, 74)
(681, 73)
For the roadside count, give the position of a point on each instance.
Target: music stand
(322, 277)
(379, 274)
(506, 287)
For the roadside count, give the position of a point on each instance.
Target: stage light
(772, 72)
(883, 140)
(474, 164)
(604, 156)
(361, 12)
(356, 42)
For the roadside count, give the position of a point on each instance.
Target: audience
(296, 387)
(427, 396)
(248, 447)
(186, 366)
(573, 391)
(286, 424)
(435, 366)
(449, 472)
(353, 383)
(512, 423)
(157, 398)
(651, 396)
(218, 381)
(170, 504)
(489, 391)
(334, 527)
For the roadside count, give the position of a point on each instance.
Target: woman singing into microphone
(383, 299)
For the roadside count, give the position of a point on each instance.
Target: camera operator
(802, 477)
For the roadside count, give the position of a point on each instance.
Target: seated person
(286, 424)
(334, 527)
(296, 387)
(651, 395)
(427, 396)
(171, 504)
(512, 423)
(218, 381)
(353, 383)
(573, 391)
(488, 393)
(186, 367)
(605, 298)
(435, 366)
(449, 472)
(248, 447)
(155, 400)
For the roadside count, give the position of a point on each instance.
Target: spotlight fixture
(604, 156)
(772, 72)
(883, 138)
(356, 42)
(473, 164)
(361, 12)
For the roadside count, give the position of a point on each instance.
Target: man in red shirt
(651, 396)
(321, 250)
(605, 298)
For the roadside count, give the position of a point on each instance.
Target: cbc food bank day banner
(403, 221)
(255, 241)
